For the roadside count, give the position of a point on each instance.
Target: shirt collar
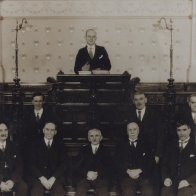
(142, 111)
(130, 140)
(46, 141)
(193, 114)
(3, 144)
(39, 111)
(185, 141)
(95, 146)
(88, 47)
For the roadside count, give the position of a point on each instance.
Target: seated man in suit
(34, 121)
(48, 163)
(93, 166)
(135, 164)
(10, 165)
(150, 123)
(188, 113)
(179, 164)
(92, 56)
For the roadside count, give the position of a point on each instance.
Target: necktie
(133, 143)
(96, 148)
(2, 148)
(181, 146)
(37, 117)
(139, 115)
(90, 53)
(48, 144)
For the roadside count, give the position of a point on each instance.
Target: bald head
(91, 37)
(132, 130)
(94, 136)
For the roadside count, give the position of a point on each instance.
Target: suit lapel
(86, 52)
(96, 52)
(187, 149)
(145, 115)
(43, 144)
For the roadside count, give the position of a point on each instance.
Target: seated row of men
(148, 120)
(133, 164)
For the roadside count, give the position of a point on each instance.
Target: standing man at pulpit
(92, 56)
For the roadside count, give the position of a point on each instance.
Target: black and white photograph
(97, 98)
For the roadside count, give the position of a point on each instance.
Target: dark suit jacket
(129, 157)
(100, 59)
(33, 130)
(48, 162)
(87, 161)
(10, 158)
(151, 129)
(180, 165)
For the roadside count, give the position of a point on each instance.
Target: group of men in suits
(135, 161)
(177, 158)
(136, 158)
(40, 157)
(144, 160)
(46, 165)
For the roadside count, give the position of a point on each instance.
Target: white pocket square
(101, 56)
(144, 154)
(192, 155)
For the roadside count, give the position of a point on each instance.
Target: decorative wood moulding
(14, 8)
(154, 91)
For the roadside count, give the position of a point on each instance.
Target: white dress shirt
(133, 142)
(94, 148)
(194, 116)
(39, 112)
(48, 142)
(92, 48)
(2, 145)
(182, 144)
